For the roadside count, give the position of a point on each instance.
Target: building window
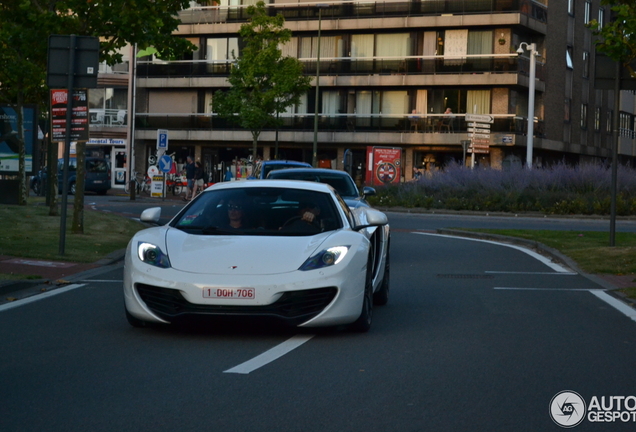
(586, 64)
(566, 117)
(597, 119)
(601, 18)
(583, 116)
(571, 7)
(568, 58)
(587, 13)
(608, 126)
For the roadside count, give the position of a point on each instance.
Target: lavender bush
(559, 189)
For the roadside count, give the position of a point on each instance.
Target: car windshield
(260, 211)
(343, 184)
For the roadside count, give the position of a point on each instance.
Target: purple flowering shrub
(559, 189)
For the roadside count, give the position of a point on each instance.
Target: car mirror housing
(151, 215)
(368, 191)
(371, 218)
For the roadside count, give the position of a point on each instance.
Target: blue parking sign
(162, 139)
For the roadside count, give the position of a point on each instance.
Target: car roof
(288, 184)
(285, 162)
(310, 170)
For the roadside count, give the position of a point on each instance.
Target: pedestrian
(189, 170)
(198, 179)
(228, 175)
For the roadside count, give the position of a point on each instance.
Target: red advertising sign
(79, 119)
(384, 165)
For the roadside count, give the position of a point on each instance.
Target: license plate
(97, 181)
(229, 293)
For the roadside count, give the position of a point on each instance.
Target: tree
(27, 25)
(263, 82)
(617, 39)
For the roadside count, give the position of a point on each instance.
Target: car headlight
(151, 254)
(325, 258)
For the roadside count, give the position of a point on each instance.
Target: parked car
(341, 181)
(97, 178)
(262, 169)
(326, 270)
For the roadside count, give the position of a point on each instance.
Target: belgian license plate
(229, 293)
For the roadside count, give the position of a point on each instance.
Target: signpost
(479, 130)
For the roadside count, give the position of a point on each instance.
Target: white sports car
(289, 250)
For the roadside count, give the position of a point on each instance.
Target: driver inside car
(307, 220)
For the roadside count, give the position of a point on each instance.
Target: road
(476, 336)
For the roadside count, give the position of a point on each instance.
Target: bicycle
(142, 183)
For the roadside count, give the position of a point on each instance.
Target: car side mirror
(368, 191)
(371, 218)
(151, 215)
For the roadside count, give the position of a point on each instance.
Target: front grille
(294, 307)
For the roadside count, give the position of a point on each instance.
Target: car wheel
(363, 323)
(37, 187)
(135, 322)
(71, 189)
(381, 297)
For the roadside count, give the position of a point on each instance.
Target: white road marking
(544, 260)
(615, 303)
(546, 289)
(101, 280)
(270, 355)
(37, 297)
(532, 273)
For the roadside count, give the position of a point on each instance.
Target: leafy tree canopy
(617, 39)
(263, 82)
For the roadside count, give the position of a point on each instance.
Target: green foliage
(617, 39)
(263, 82)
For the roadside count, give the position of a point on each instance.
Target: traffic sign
(165, 163)
(481, 141)
(478, 130)
(481, 118)
(162, 139)
(480, 135)
(479, 125)
(478, 150)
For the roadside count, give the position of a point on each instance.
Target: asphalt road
(476, 336)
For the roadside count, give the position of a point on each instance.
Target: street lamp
(532, 48)
(314, 155)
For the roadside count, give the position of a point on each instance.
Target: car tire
(363, 323)
(71, 188)
(135, 322)
(37, 187)
(381, 297)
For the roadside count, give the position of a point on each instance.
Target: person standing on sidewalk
(198, 179)
(189, 170)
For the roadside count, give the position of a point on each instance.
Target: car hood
(239, 255)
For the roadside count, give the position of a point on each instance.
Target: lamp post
(314, 154)
(532, 48)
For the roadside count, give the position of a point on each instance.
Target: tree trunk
(77, 226)
(51, 177)
(23, 189)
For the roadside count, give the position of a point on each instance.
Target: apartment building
(387, 72)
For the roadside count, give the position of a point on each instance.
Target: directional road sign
(481, 118)
(165, 163)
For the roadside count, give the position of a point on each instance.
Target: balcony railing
(367, 9)
(342, 66)
(431, 123)
(108, 117)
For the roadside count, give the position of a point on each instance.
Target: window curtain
(207, 102)
(363, 108)
(455, 44)
(330, 102)
(421, 101)
(478, 102)
(393, 45)
(480, 42)
(290, 49)
(362, 46)
(394, 102)
(301, 108)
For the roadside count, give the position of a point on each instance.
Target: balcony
(378, 9)
(507, 124)
(350, 66)
(108, 118)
